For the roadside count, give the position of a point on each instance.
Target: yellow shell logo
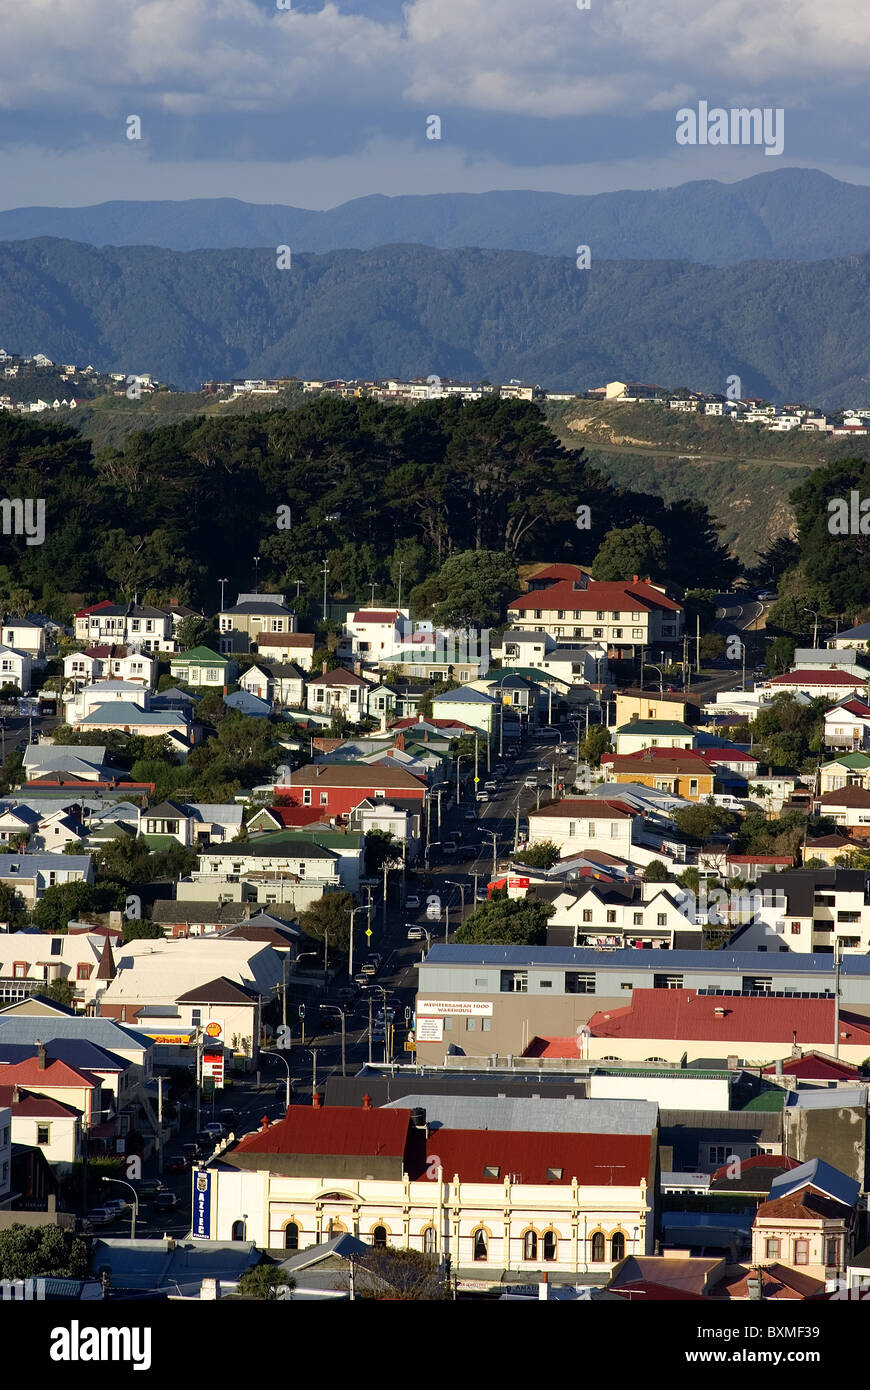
(213, 1030)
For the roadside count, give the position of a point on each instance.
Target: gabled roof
(823, 1177)
(614, 596)
(219, 991)
(200, 654)
(581, 808)
(846, 796)
(463, 696)
(272, 605)
(655, 726)
(338, 677)
(595, 1160)
(29, 1103)
(332, 1130)
(376, 615)
(817, 677)
(355, 775)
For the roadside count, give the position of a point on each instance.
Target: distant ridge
(793, 214)
(790, 333)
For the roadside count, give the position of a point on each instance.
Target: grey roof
(344, 1245)
(24, 865)
(168, 911)
(76, 1052)
(837, 1098)
(104, 1032)
(827, 1179)
(147, 1264)
(824, 656)
(567, 1115)
(41, 754)
(272, 605)
(861, 633)
(584, 956)
(123, 712)
(287, 849)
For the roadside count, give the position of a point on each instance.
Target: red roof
(332, 1129)
(595, 1160)
(555, 572)
(645, 1289)
(684, 1014)
(856, 707)
(411, 721)
(815, 1066)
(818, 677)
(376, 615)
(285, 639)
(553, 1047)
(786, 859)
(95, 608)
(54, 1073)
(293, 816)
(726, 755)
(615, 596)
(30, 1104)
(781, 1161)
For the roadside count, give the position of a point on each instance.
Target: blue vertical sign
(202, 1204)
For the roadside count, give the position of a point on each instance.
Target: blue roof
(794, 963)
(476, 697)
(104, 1032)
(77, 1052)
(827, 1179)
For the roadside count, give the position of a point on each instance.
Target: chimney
(316, 1102)
(357, 668)
(264, 1123)
(40, 1053)
(544, 1287)
(323, 667)
(634, 579)
(16, 1093)
(367, 1101)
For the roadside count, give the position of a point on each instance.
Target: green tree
(263, 1281)
(62, 904)
(403, 1275)
(382, 847)
(506, 921)
(329, 916)
(28, 1252)
(701, 821)
(142, 929)
(473, 587)
(542, 855)
(631, 550)
(8, 902)
(656, 872)
(596, 744)
(61, 991)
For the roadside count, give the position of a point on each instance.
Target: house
(202, 667)
(857, 638)
(53, 1126)
(576, 822)
(30, 874)
(335, 789)
(622, 914)
(846, 770)
(847, 726)
(470, 707)
(87, 762)
(815, 681)
(626, 616)
(654, 704)
(373, 633)
(849, 808)
(41, 959)
(196, 823)
(107, 660)
(535, 650)
(132, 624)
(281, 683)
(638, 734)
(272, 857)
(339, 691)
(683, 773)
(250, 705)
(809, 1221)
(251, 617)
(102, 692)
(659, 1025)
(25, 636)
(812, 910)
(15, 669)
(124, 717)
(494, 1184)
(294, 647)
(75, 1087)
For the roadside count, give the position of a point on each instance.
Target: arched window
(530, 1245)
(479, 1238)
(549, 1245)
(429, 1240)
(238, 1231)
(291, 1236)
(379, 1237)
(617, 1246)
(598, 1248)
(337, 1228)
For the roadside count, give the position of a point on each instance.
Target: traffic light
(301, 1012)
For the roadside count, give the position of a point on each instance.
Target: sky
(322, 102)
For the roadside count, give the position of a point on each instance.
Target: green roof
(535, 675)
(288, 839)
(850, 760)
(200, 654)
(772, 1100)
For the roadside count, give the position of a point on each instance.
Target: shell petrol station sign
(213, 1051)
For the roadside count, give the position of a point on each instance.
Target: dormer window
(491, 1171)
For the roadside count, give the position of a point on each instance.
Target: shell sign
(213, 1029)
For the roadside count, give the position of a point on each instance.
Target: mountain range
(791, 331)
(794, 214)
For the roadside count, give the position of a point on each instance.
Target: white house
(626, 616)
(339, 690)
(126, 664)
(281, 683)
(25, 636)
(29, 875)
(847, 726)
(373, 633)
(15, 668)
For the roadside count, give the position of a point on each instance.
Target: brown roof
(777, 1281)
(339, 676)
(285, 639)
(581, 808)
(354, 775)
(804, 1204)
(631, 762)
(219, 991)
(846, 796)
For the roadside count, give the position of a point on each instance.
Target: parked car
(361, 979)
(531, 781)
(102, 1216)
(412, 900)
(227, 1115)
(190, 1152)
(375, 957)
(483, 796)
(148, 1188)
(368, 968)
(176, 1163)
(117, 1204)
(416, 934)
(215, 1129)
(543, 767)
(205, 1139)
(490, 786)
(482, 895)
(165, 1201)
(449, 847)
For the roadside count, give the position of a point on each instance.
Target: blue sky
(325, 102)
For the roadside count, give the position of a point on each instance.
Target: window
(576, 982)
(617, 632)
(291, 1236)
(56, 945)
(306, 796)
(795, 928)
(718, 1153)
(238, 1231)
(617, 1246)
(832, 1252)
(470, 1025)
(637, 632)
(637, 919)
(429, 1238)
(43, 1133)
(379, 1237)
(611, 914)
(479, 1245)
(481, 980)
(667, 982)
(83, 971)
(486, 1025)
(530, 1245)
(661, 919)
(491, 1170)
(587, 914)
(514, 982)
(598, 632)
(324, 798)
(598, 1248)
(771, 1249)
(19, 970)
(801, 1252)
(195, 1018)
(545, 984)
(549, 1245)
(554, 1174)
(848, 916)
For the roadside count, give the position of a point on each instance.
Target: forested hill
(791, 332)
(368, 487)
(798, 214)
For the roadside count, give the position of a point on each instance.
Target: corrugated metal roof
(583, 956)
(490, 1156)
(568, 1115)
(332, 1129)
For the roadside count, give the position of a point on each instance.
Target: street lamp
(278, 1057)
(134, 1210)
(336, 1008)
(494, 834)
(461, 886)
(648, 666)
(364, 907)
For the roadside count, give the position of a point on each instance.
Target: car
(147, 1188)
(227, 1115)
(118, 1204)
(176, 1163)
(490, 786)
(165, 1201)
(412, 900)
(543, 767)
(449, 847)
(378, 1035)
(102, 1216)
(470, 815)
(483, 796)
(765, 594)
(190, 1151)
(361, 979)
(531, 782)
(416, 933)
(368, 968)
(374, 958)
(205, 1139)
(215, 1129)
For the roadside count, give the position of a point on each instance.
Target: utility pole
(313, 1072)
(401, 568)
(438, 800)
(743, 666)
(370, 1030)
(516, 839)
(685, 660)
(446, 924)
(325, 573)
(159, 1122)
(475, 765)
(386, 872)
(222, 582)
(553, 778)
(373, 587)
(198, 1076)
(698, 643)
